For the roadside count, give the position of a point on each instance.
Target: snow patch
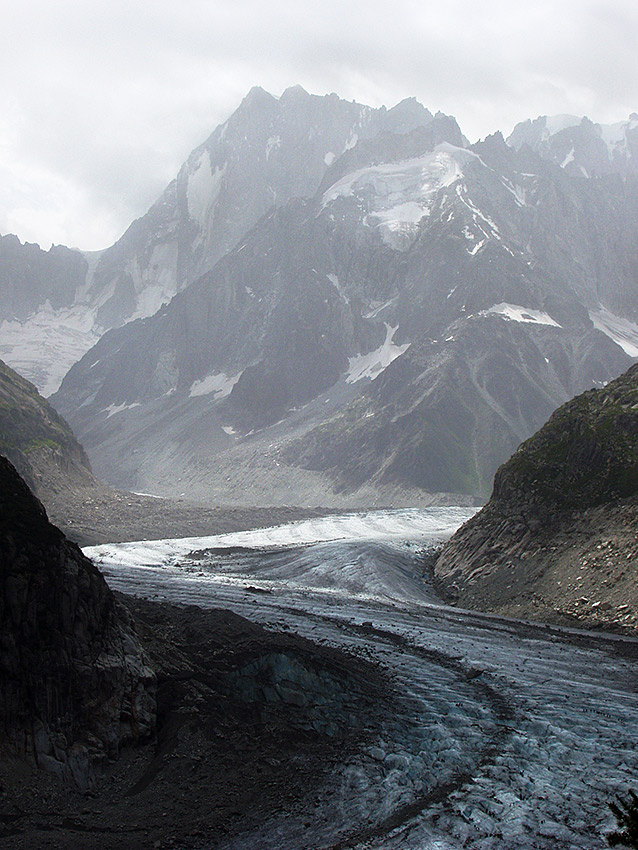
(372, 364)
(155, 284)
(476, 248)
(481, 220)
(400, 194)
(45, 346)
(219, 384)
(329, 158)
(377, 307)
(569, 158)
(334, 280)
(516, 190)
(112, 409)
(352, 141)
(516, 313)
(204, 186)
(623, 332)
(410, 212)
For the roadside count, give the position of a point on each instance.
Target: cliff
(75, 684)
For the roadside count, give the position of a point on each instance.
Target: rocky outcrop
(75, 684)
(559, 536)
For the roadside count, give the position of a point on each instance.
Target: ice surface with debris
(501, 735)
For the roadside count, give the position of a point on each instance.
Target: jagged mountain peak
(580, 146)
(419, 266)
(268, 152)
(296, 92)
(535, 130)
(256, 95)
(408, 114)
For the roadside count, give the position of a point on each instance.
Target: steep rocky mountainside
(55, 305)
(75, 684)
(404, 329)
(38, 441)
(559, 536)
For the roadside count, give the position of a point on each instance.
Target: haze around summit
(101, 103)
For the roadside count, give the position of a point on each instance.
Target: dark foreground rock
(559, 537)
(75, 685)
(250, 723)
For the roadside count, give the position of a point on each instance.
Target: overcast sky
(102, 102)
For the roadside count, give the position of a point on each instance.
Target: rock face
(560, 534)
(75, 684)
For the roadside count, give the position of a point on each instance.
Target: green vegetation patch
(586, 454)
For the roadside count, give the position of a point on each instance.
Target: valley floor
(90, 516)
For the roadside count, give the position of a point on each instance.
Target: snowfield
(508, 735)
